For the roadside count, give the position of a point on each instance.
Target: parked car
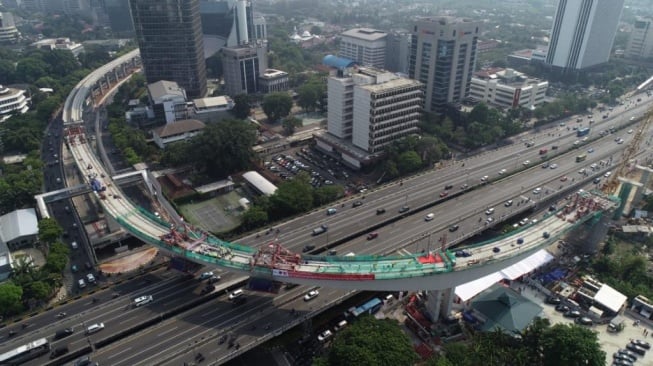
(562, 308)
(637, 349)
(554, 300)
(572, 314)
(583, 320)
(508, 203)
(641, 343)
(463, 253)
(489, 211)
(324, 336)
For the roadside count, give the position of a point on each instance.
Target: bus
(583, 131)
(581, 157)
(370, 307)
(25, 352)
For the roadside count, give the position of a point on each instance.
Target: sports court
(217, 214)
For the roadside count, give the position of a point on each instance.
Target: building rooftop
(338, 62)
(179, 127)
(272, 73)
(213, 102)
(163, 88)
(262, 184)
(506, 76)
(391, 84)
(505, 309)
(17, 224)
(366, 34)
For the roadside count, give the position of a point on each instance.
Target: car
(622, 356)
(357, 203)
(561, 308)
(74, 268)
(607, 174)
(553, 166)
(464, 186)
(563, 178)
(577, 142)
(489, 211)
(545, 165)
(582, 171)
(554, 300)
(484, 178)
(552, 208)
(453, 228)
(502, 171)
(463, 253)
(90, 278)
(627, 353)
(496, 249)
(590, 150)
(404, 209)
(621, 363)
(630, 131)
(311, 295)
(236, 294)
(489, 220)
(331, 211)
(213, 279)
(373, 235)
(429, 217)
(324, 336)
(143, 300)
(63, 333)
(448, 186)
(207, 289)
(526, 163)
(572, 314)
(594, 166)
(74, 245)
(537, 190)
(508, 203)
(583, 320)
(620, 141)
(444, 194)
(597, 180)
(380, 211)
(59, 351)
(637, 349)
(641, 343)
(206, 275)
(81, 283)
(94, 328)
(308, 248)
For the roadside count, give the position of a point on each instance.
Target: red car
(371, 236)
(563, 179)
(444, 194)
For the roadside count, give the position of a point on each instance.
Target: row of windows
(401, 119)
(375, 103)
(397, 107)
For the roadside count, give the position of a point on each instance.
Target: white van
(140, 301)
(94, 328)
(81, 283)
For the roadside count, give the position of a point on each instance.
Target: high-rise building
(8, 31)
(443, 56)
(169, 35)
(242, 65)
(373, 107)
(365, 46)
(640, 43)
(115, 11)
(583, 33)
(397, 51)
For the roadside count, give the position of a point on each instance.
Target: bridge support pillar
(112, 224)
(644, 179)
(594, 232)
(439, 303)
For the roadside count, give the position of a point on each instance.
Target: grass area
(217, 214)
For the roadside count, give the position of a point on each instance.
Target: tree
(292, 197)
(254, 217)
(38, 290)
(277, 105)
(290, 123)
(242, 106)
(408, 162)
(310, 94)
(10, 299)
(564, 344)
(49, 230)
(370, 341)
(326, 194)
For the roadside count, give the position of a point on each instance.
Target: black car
(463, 253)
(620, 362)
(63, 333)
(623, 356)
(562, 308)
(308, 248)
(357, 203)
(380, 211)
(641, 343)
(553, 300)
(448, 187)
(583, 320)
(572, 314)
(627, 353)
(61, 350)
(637, 349)
(207, 289)
(453, 228)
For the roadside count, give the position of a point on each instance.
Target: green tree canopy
(292, 197)
(290, 123)
(49, 230)
(10, 299)
(254, 217)
(310, 94)
(564, 344)
(277, 105)
(373, 342)
(242, 106)
(408, 162)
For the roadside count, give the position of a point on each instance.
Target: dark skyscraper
(169, 34)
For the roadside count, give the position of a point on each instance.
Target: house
(503, 308)
(19, 228)
(176, 131)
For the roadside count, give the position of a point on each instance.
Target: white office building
(507, 88)
(12, 101)
(640, 43)
(365, 46)
(583, 33)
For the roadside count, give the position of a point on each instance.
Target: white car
(235, 294)
(537, 190)
(607, 174)
(140, 301)
(90, 278)
(630, 131)
(527, 162)
(502, 172)
(429, 217)
(324, 336)
(489, 211)
(508, 203)
(484, 178)
(311, 295)
(553, 166)
(206, 275)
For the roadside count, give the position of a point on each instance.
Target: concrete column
(644, 180)
(439, 303)
(112, 224)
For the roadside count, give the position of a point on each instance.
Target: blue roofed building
(339, 63)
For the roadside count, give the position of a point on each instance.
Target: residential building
(8, 31)
(365, 46)
(242, 66)
(59, 44)
(583, 32)
(507, 88)
(169, 35)
(19, 229)
(443, 57)
(397, 51)
(168, 100)
(640, 43)
(212, 109)
(501, 308)
(12, 101)
(273, 81)
(176, 131)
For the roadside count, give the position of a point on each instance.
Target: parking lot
(323, 170)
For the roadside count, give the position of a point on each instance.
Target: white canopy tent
(610, 298)
(470, 289)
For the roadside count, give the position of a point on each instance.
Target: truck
(583, 131)
(616, 324)
(97, 185)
